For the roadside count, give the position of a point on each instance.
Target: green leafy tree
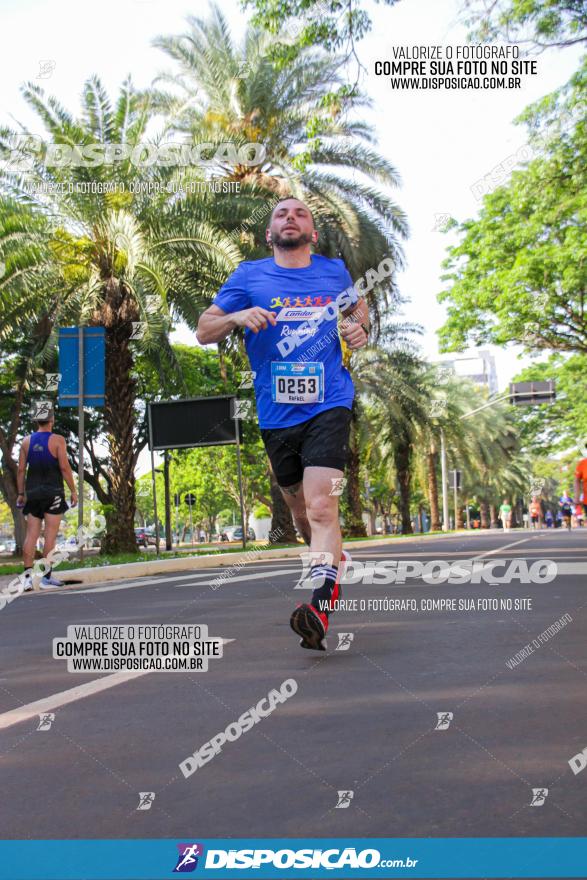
(297, 24)
(519, 273)
(561, 425)
(533, 24)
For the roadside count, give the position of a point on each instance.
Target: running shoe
(51, 582)
(311, 623)
(27, 583)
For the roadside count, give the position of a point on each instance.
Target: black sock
(324, 576)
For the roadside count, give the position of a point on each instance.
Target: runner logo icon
(539, 795)
(187, 860)
(444, 719)
(344, 800)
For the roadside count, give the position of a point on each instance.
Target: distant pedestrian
(505, 514)
(535, 513)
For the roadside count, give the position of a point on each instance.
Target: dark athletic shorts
(321, 441)
(40, 506)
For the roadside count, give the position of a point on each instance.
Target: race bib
(293, 382)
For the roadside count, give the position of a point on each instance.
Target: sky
(440, 142)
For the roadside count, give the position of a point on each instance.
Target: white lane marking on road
(55, 701)
(121, 585)
(501, 549)
(202, 583)
(571, 567)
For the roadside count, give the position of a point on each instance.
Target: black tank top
(44, 478)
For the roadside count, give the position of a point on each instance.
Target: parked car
(235, 533)
(151, 536)
(9, 546)
(141, 537)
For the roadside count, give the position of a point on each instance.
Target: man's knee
(321, 509)
(294, 498)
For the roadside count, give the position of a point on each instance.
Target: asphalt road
(363, 719)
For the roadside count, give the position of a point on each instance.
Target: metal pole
(468, 515)
(240, 482)
(444, 492)
(80, 437)
(167, 500)
(456, 497)
(154, 483)
(191, 527)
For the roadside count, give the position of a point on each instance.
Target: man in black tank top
(43, 458)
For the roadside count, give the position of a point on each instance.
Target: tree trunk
(8, 487)
(460, 523)
(120, 421)
(432, 462)
(354, 526)
(484, 511)
(493, 515)
(373, 518)
(403, 455)
(282, 525)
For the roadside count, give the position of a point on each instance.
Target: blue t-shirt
(298, 362)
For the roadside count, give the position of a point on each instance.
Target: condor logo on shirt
(303, 314)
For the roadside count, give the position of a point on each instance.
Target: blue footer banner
(481, 857)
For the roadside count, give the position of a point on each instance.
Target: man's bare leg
(295, 500)
(33, 530)
(52, 523)
(310, 620)
(322, 511)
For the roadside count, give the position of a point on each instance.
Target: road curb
(129, 570)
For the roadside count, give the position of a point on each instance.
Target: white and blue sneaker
(49, 582)
(27, 582)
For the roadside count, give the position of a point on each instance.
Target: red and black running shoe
(312, 624)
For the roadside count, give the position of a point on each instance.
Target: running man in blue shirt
(289, 305)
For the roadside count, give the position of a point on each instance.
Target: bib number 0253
(297, 383)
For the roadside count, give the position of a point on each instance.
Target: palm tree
(313, 149)
(395, 383)
(114, 258)
(485, 446)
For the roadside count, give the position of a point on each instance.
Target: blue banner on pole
(94, 366)
(288, 858)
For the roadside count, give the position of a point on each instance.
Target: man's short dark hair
(289, 199)
(46, 418)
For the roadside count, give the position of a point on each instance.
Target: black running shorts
(53, 504)
(321, 441)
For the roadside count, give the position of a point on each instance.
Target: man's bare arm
(20, 477)
(215, 324)
(354, 327)
(359, 312)
(65, 466)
